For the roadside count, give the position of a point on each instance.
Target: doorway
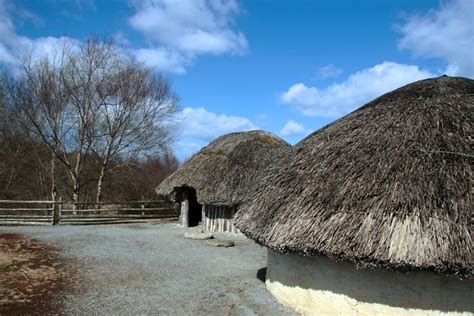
(195, 209)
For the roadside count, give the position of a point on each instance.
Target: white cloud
(13, 45)
(199, 127)
(328, 71)
(177, 32)
(5, 55)
(161, 59)
(293, 128)
(202, 124)
(187, 28)
(446, 33)
(341, 98)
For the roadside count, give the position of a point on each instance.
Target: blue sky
(288, 67)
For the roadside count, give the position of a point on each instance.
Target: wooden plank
(103, 223)
(19, 223)
(66, 217)
(91, 219)
(35, 213)
(26, 209)
(83, 203)
(13, 220)
(84, 211)
(26, 216)
(121, 203)
(121, 221)
(24, 202)
(143, 209)
(118, 210)
(114, 217)
(144, 221)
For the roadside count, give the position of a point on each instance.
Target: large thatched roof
(226, 170)
(390, 184)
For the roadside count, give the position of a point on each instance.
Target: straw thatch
(390, 184)
(225, 171)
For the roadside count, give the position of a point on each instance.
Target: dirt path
(147, 269)
(33, 278)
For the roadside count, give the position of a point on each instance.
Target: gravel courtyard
(153, 269)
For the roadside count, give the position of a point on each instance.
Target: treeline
(87, 123)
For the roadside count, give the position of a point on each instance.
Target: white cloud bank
(13, 45)
(161, 59)
(199, 127)
(177, 31)
(180, 30)
(205, 125)
(341, 98)
(293, 128)
(446, 33)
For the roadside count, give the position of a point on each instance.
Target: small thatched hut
(372, 214)
(213, 182)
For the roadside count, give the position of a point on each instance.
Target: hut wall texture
(320, 286)
(219, 219)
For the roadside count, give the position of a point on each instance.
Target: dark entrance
(195, 209)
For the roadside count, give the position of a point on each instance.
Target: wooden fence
(84, 213)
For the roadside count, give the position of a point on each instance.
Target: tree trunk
(53, 183)
(75, 193)
(100, 181)
(75, 199)
(75, 179)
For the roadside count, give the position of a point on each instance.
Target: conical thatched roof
(390, 184)
(226, 170)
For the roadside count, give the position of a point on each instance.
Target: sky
(288, 67)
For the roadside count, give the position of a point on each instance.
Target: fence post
(57, 211)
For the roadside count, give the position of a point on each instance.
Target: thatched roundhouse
(372, 214)
(213, 182)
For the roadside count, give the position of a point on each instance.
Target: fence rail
(25, 202)
(13, 212)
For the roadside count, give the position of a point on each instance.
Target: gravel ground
(152, 269)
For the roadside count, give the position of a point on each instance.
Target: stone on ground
(220, 243)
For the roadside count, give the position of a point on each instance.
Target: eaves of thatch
(390, 184)
(226, 170)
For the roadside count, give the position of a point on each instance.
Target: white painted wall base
(319, 286)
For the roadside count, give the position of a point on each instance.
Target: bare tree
(137, 180)
(53, 107)
(21, 173)
(135, 118)
(93, 101)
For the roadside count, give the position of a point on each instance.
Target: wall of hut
(184, 213)
(320, 286)
(218, 218)
(215, 218)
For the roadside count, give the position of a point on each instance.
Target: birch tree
(136, 117)
(94, 100)
(49, 103)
